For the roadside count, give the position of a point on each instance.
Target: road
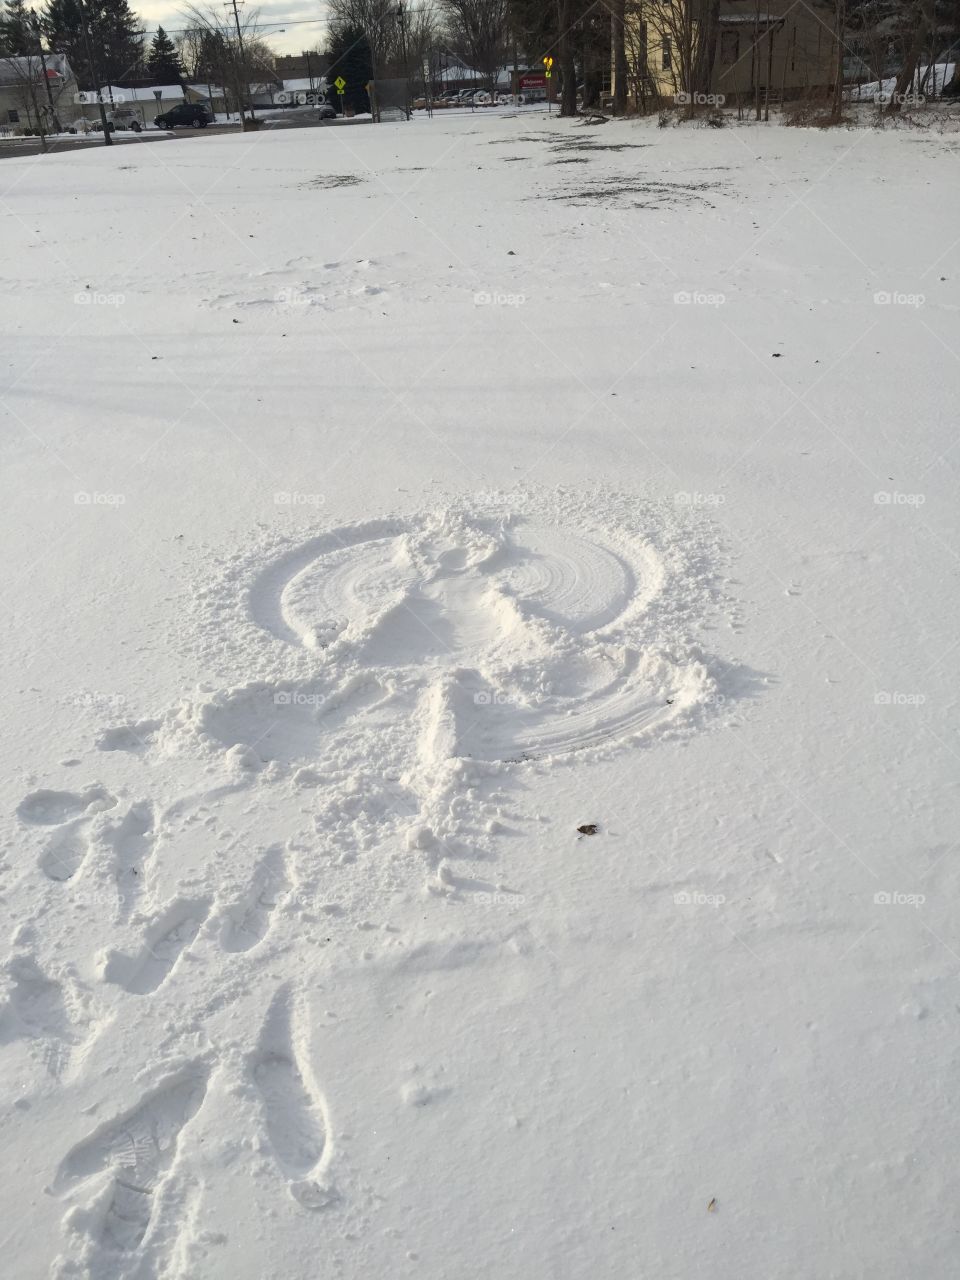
(18, 147)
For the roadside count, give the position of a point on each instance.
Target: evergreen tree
(350, 57)
(162, 61)
(116, 38)
(17, 36)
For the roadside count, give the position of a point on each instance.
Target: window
(665, 61)
(13, 117)
(729, 48)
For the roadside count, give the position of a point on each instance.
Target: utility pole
(243, 63)
(403, 54)
(35, 23)
(81, 7)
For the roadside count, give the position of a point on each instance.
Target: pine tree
(350, 58)
(162, 61)
(116, 38)
(17, 36)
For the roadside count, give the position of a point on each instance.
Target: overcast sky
(288, 25)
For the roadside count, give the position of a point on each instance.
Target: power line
(287, 22)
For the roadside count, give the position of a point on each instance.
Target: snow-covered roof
(881, 90)
(16, 70)
(304, 85)
(453, 71)
(116, 95)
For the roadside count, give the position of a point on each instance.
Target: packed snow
(480, 697)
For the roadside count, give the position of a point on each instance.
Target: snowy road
(380, 507)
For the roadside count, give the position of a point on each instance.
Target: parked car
(184, 115)
(327, 112)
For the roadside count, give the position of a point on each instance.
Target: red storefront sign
(533, 82)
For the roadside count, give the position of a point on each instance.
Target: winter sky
(289, 25)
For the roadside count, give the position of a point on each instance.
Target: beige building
(37, 91)
(783, 49)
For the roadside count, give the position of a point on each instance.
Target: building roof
(16, 70)
(115, 95)
(302, 85)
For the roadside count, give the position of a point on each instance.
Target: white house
(40, 89)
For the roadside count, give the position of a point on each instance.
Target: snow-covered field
(382, 505)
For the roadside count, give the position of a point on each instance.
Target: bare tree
(618, 40)
(377, 19)
(477, 30)
(923, 23)
(213, 46)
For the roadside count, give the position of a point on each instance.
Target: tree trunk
(840, 18)
(619, 39)
(568, 66)
(907, 71)
(706, 46)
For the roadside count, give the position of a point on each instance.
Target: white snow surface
(382, 506)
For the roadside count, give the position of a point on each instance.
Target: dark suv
(182, 115)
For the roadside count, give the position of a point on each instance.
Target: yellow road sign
(339, 84)
(548, 63)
